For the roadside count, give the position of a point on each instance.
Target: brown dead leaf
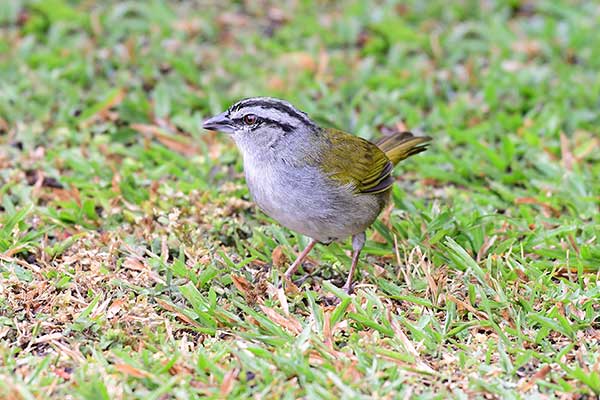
(529, 47)
(431, 182)
(232, 19)
(134, 264)
(180, 369)
(488, 242)
(275, 83)
(315, 358)
(62, 373)
(322, 65)
(131, 371)
(8, 255)
(522, 275)
(300, 61)
(278, 257)
(114, 308)
(190, 26)
(399, 333)
(289, 323)
(573, 243)
(56, 194)
(512, 65)
(462, 305)
(3, 125)
(245, 288)
(116, 183)
(539, 375)
(104, 112)
(100, 308)
(401, 126)
(252, 320)
(432, 279)
(379, 270)
(177, 143)
(290, 287)
(179, 314)
(228, 381)
(4, 331)
(547, 208)
(351, 373)
(567, 156)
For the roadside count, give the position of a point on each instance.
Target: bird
(321, 182)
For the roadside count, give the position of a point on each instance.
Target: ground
(133, 263)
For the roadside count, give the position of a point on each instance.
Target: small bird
(321, 182)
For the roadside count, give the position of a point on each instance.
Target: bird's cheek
(240, 134)
(238, 138)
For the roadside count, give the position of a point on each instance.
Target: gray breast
(305, 200)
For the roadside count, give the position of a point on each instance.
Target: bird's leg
(358, 242)
(290, 271)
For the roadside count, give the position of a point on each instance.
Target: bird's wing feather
(356, 161)
(402, 145)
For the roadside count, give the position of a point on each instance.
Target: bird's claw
(349, 289)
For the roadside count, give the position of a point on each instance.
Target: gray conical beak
(219, 123)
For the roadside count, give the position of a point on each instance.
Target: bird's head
(262, 124)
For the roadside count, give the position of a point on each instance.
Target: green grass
(133, 264)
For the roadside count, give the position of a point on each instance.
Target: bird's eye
(250, 119)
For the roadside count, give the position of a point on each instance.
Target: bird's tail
(399, 146)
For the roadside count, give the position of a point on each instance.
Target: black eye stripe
(287, 128)
(275, 105)
(282, 108)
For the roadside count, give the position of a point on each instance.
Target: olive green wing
(402, 145)
(356, 161)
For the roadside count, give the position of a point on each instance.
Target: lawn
(133, 263)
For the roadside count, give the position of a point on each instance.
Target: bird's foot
(348, 288)
(299, 282)
(330, 300)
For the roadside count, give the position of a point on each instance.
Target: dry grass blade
(177, 143)
(289, 323)
(567, 156)
(463, 305)
(228, 382)
(131, 371)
